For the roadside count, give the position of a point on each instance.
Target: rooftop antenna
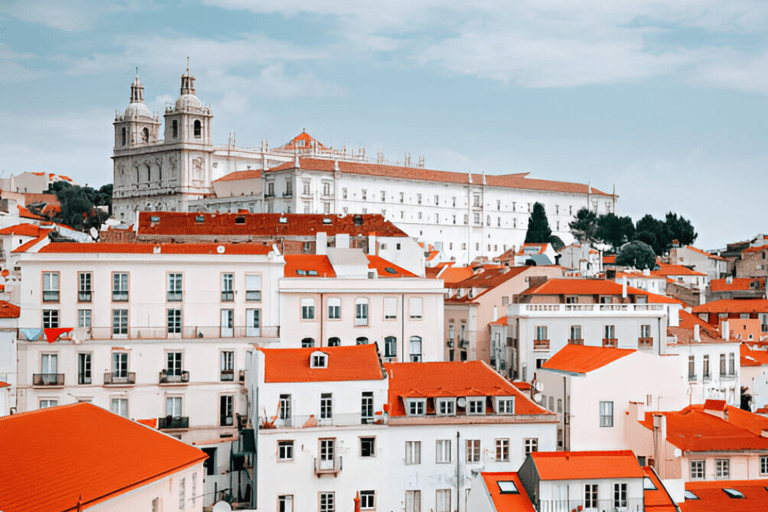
(137, 71)
(187, 64)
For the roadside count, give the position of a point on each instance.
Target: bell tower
(137, 126)
(188, 122)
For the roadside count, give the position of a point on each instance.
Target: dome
(138, 110)
(188, 101)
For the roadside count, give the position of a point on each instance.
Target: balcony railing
(161, 332)
(464, 343)
(119, 378)
(173, 422)
(692, 377)
(84, 296)
(591, 307)
(337, 420)
(328, 466)
(576, 341)
(645, 342)
(47, 379)
(449, 342)
(174, 377)
(540, 344)
(227, 375)
(610, 342)
(629, 505)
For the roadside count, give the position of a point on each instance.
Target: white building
(9, 317)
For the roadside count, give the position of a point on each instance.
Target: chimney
(725, 331)
(321, 248)
(659, 439)
(697, 333)
(342, 240)
(624, 287)
(495, 313)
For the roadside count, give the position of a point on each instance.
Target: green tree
(651, 232)
(614, 230)
(584, 226)
(538, 226)
(636, 254)
(77, 206)
(680, 229)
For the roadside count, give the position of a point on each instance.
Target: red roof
(55, 457)
(507, 501)
(4, 384)
(586, 465)
(518, 181)
(8, 310)
(151, 247)
(658, 499)
(357, 362)
(28, 245)
(750, 357)
(580, 286)
(22, 230)
(609, 259)
(302, 141)
(454, 274)
(737, 284)
(250, 174)
(666, 269)
(295, 263)
(712, 497)
(263, 224)
(26, 214)
(584, 358)
(454, 379)
(759, 248)
(708, 255)
(381, 265)
(488, 278)
(733, 306)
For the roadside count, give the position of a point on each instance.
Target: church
(465, 215)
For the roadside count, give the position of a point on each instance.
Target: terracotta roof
(708, 255)
(711, 496)
(56, 456)
(321, 265)
(684, 331)
(694, 430)
(522, 385)
(507, 501)
(302, 141)
(657, 500)
(490, 278)
(666, 269)
(504, 320)
(22, 230)
(250, 174)
(580, 286)
(381, 265)
(610, 259)
(733, 306)
(737, 284)
(455, 274)
(26, 214)
(263, 224)
(584, 358)
(750, 357)
(455, 378)
(28, 245)
(759, 248)
(4, 384)
(586, 465)
(8, 310)
(357, 362)
(538, 248)
(515, 181)
(150, 248)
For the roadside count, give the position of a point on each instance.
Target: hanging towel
(31, 334)
(53, 334)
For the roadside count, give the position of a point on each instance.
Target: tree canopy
(539, 231)
(78, 205)
(636, 254)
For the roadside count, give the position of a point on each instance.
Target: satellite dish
(220, 249)
(538, 398)
(462, 402)
(94, 233)
(222, 506)
(539, 386)
(678, 452)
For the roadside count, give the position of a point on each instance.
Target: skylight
(733, 493)
(507, 487)
(326, 220)
(390, 270)
(200, 218)
(312, 272)
(690, 496)
(154, 218)
(301, 272)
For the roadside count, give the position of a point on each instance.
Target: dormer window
(446, 406)
(416, 406)
(318, 360)
(505, 405)
(475, 405)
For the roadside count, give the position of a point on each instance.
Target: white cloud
(70, 16)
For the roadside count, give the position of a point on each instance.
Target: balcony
(449, 342)
(227, 375)
(174, 377)
(161, 332)
(288, 193)
(48, 379)
(119, 378)
(576, 341)
(692, 377)
(644, 342)
(84, 296)
(630, 505)
(337, 420)
(241, 376)
(610, 342)
(464, 343)
(171, 422)
(540, 344)
(328, 466)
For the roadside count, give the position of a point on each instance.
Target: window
(415, 304)
(326, 188)
(326, 406)
(227, 365)
(307, 309)
(210, 462)
(722, 468)
(253, 322)
(705, 371)
(722, 365)
(227, 291)
(476, 218)
(366, 407)
(83, 317)
(610, 332)
(731, 364)
(327, 502)
(505, 405)
(446, 406)
(361, 311)
(552, 404)
(119, 406)
(367, 500)
(307, 342)
(764, 464)
(252, 287)
(173, 366)
(48, 402)
(226, 405)
(318, 360)
(606, 414)
(390, 308)
(83, 368)
(576, 334)
(120, 322)
(691, 367)
(182, 492)
(415, 346)
(443, 451)
(334, 308)
(473, 450)
(198, 129)
(119, 287)
(362, 340)
(49, 364)
(418, 198)
(174, 321)
(541, 332)
(619, 496)
(390, 346)
(227, 323)
(119, 365)
(590, 496)
(285, 503)
(50, 287)
(285, 450)
(364, 195)
(416, 406)
(531, 445)
(173, 407)
(502, 450)
(412, 501)
(413, 452)
(343, 193)
(443, 500)
(476, 405)
(50, 318)
(367, 446)
(698, 468)
(84, 280)
(174, 287)
(284, 412)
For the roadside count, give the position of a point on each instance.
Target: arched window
(148, 173)
(415, 349)
(145, 135)
(125, 138)
(175, 129)
(334, 342)
(198, 129)
(307, 342)
(390, 346)
(362, 340)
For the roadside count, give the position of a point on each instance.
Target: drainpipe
(458, 470)
(321, 320)
(402, 327)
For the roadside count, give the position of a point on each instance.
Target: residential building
(683, 283)
(9, 317)
(536, 254)
(714, 265)
(736, 288)
(754, 375)
(581, 260)
(752, 262)
(725, 495)
(740, 309)
(90, 458)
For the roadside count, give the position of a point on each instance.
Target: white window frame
(698, 469)
(413, 452)
(253, 287)
(475, 405)
(445, 406)
(361, 311)
(307, 308)
(530, 445)
(505, 405)
(390, 308)
(51, 286)
(473, 451)
(285, 449)
(502, 449)
(606, 414)
(415, 406)
(334, 308)
(415, 307)
(443, 451)
(723, 468)
(253, 323)
(367, 500)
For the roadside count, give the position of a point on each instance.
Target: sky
(666, 101)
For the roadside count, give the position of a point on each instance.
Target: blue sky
(666, 100)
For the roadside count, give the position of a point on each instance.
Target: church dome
(187, 102)
(135, 110)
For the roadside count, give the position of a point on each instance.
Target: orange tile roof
(455, 274)
(56, 456)
(665, 270)
(28, 245)
(610, 259)
(584, 358)
(381, 265)
(250, 174)
(22, 230)
(507, 502)
(515, 181)
(357, 362)
(708, 255)
(581, 286)
(733, 306)
(26, 214)
(504, 320)
(522, 252)
(657, 500)
(455, 378)
(750, 357)
(737, 283)
(489, 278)
(307, 142)
(4, 384)
(759, 248)
(587, 465)
(263, 224)
(149, 248)
(8, 310)
(713, 498)
(694, 430)
(294, 263)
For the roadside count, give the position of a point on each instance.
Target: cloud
(70, 16)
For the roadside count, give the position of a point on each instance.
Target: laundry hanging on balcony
(31, 334)
(52, 335)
